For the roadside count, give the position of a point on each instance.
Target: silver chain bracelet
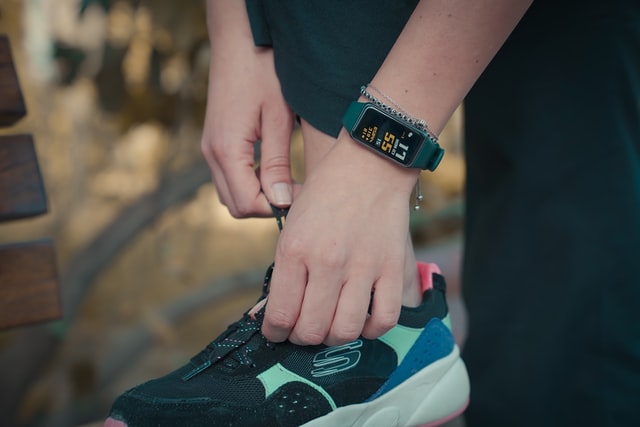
(395, 109)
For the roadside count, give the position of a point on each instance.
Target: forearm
(228, 27)
(443, 49)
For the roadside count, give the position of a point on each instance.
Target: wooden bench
(29, 291)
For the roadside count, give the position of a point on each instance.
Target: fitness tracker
(390, 136)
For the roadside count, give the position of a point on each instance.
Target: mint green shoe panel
(277, 376)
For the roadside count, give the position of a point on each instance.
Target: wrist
(371, 164)
(392, 133)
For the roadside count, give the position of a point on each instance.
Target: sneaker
(411, 376)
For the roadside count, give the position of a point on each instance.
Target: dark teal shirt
(325, 50)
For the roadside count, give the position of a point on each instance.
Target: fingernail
(281, 192)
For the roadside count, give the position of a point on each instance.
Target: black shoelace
(240, 340)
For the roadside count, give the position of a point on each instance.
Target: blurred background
(151, 266)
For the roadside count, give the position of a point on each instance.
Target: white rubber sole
(429, 398)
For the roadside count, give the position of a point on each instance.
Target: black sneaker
(411, 376)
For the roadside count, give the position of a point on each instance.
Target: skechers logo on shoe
(336, 359)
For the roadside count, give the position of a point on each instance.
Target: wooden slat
(22, 192)
(29, 291)
(12, 107)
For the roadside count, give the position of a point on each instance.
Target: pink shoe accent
(114, 423)
(426, 270)
(447, 418)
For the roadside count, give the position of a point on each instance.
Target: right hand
(245, 104)
(346, 235)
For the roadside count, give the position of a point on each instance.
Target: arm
(244, 104)
(346, 232)
(442, 51)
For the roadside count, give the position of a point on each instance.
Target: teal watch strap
(429, 156)
(352, 114)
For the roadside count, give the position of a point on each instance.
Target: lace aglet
(195, 371)
(280, 214)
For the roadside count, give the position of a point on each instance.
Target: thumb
(275, 160)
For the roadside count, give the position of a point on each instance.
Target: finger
(275, 166)
(220, 183)
(286, 294)
(351, 313)
(385, 307)
(234, 175)
(245, 190)
(318, 308)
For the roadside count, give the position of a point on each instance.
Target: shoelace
(234, 341)
(237, 339)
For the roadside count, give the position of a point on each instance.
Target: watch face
(388, 136)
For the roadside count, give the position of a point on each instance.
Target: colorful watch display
(392, 137)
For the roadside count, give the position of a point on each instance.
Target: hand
(245, 104)
(346, 235)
